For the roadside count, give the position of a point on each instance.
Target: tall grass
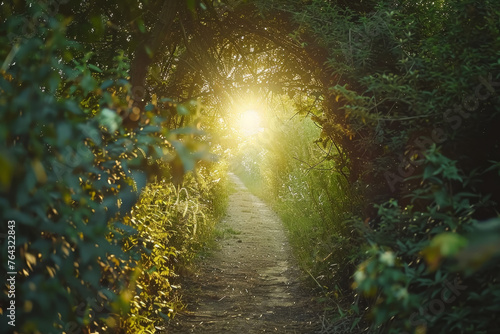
(173, 225)
(315, 203)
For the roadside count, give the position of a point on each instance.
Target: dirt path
(251, 284)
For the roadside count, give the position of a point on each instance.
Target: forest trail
(250, 284)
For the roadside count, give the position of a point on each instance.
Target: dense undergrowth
(71, 174)
(403, 201)
(173, 224)
(290, 172)
(290, 175)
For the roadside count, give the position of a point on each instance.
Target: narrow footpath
(251, 284)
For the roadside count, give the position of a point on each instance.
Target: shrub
(173, 224)
(70, 174)
(427, 270)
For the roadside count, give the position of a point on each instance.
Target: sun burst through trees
(249, 123)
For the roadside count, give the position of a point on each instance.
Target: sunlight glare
(250, 122)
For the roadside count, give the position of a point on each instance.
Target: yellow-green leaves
(442, 246)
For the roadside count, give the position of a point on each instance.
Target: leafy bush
(70, 174)
(55, 175)
(411, 104)
(173, 224)
(432, 274)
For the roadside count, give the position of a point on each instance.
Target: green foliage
(412, 99)
(286, 169)
(71, 173)
(173, 224)
(54, 186)
(442, 263)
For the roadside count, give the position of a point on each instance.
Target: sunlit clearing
(250, 123)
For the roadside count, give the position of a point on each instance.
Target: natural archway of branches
(371, 127)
